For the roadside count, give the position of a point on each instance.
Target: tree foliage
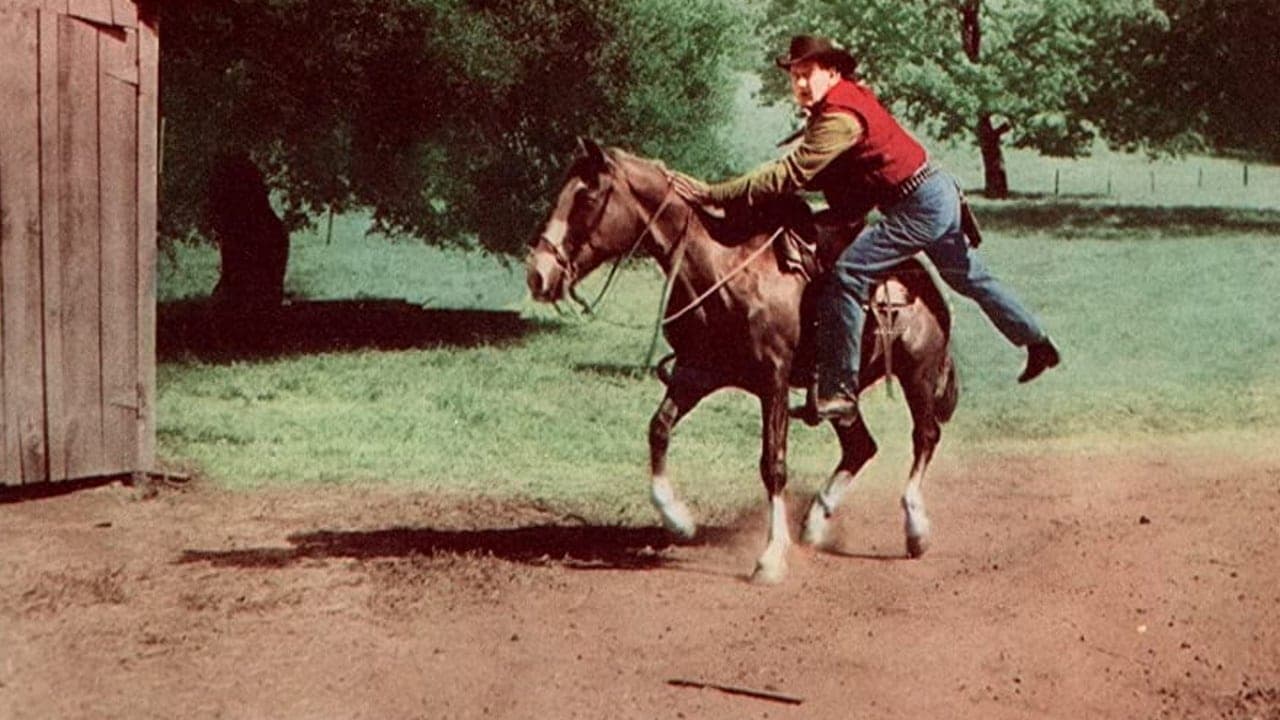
(1205, 80)
(1025, 73)
(445, 117)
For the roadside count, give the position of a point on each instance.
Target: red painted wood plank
(80, 247)
(22, 376)
(118, 217)
(51, 245)
(148, 179)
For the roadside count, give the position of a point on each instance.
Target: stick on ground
(736, 690)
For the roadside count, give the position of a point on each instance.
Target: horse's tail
(947, 394)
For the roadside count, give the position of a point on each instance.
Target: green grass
(1110, 177)
(354, 264)
(1160, 335)
(1166, 335)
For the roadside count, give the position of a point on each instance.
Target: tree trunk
(997, 180)
(252, 241)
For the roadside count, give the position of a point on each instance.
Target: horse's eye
(586, 200)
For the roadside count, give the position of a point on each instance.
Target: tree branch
(971, 29)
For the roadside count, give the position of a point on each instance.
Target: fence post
(1056, 181)
(1200, 178)
(1246, 175)
(1153, 181)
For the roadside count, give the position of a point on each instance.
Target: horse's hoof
(677, 519)
(683, 533)
(815, 527)
(769, 574)
(916, 546)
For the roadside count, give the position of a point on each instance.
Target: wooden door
(77, 188)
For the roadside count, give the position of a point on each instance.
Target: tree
(1018, 72)
(1205, 80)
(445, 117)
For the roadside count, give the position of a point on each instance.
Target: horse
(735, 320)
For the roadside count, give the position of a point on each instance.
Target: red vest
(885, 155)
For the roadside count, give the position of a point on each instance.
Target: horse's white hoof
(815, 526)
(767, 573)
(916, 525)
(677, 519)
(917, 545)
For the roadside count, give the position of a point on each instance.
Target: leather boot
(808, 412)
(840, 405)
(1041, 355)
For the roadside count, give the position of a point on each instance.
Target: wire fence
(1192, 181)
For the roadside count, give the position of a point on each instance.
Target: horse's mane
(740, 221)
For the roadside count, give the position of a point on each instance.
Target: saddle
(807, 244)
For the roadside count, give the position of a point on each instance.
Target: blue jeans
(926, 221)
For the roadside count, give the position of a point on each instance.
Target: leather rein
(677, 259)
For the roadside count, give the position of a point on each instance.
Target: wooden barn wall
(21, 322)
(78, 82)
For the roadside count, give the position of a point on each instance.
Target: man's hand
(689, 188)
(694, 192)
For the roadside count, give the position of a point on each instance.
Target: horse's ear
(593, 151)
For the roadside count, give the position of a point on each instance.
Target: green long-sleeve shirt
(824, 139)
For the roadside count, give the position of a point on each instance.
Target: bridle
(675, 261)
(562, 259)
(569, 269)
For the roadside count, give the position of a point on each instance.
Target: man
(859, 157)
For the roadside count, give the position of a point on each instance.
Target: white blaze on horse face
(555, 233)
(557, 229)
(546, 269)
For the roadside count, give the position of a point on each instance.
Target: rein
(721, 282)
(677, 261)
(591, 308)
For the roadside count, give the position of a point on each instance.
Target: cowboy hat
(820, 49)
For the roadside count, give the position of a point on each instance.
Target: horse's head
(594, 218)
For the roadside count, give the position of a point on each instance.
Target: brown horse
(740, 325)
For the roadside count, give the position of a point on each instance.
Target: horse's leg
(919, 388)
(772, 566)
(679, 400)
(856, 448)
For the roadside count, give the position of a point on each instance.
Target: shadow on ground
(1084, 219)
(196, 329)
(49, 490)
(581, 547)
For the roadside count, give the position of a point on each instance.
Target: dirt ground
(1141, 583)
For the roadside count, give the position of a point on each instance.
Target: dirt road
(1142, 583)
